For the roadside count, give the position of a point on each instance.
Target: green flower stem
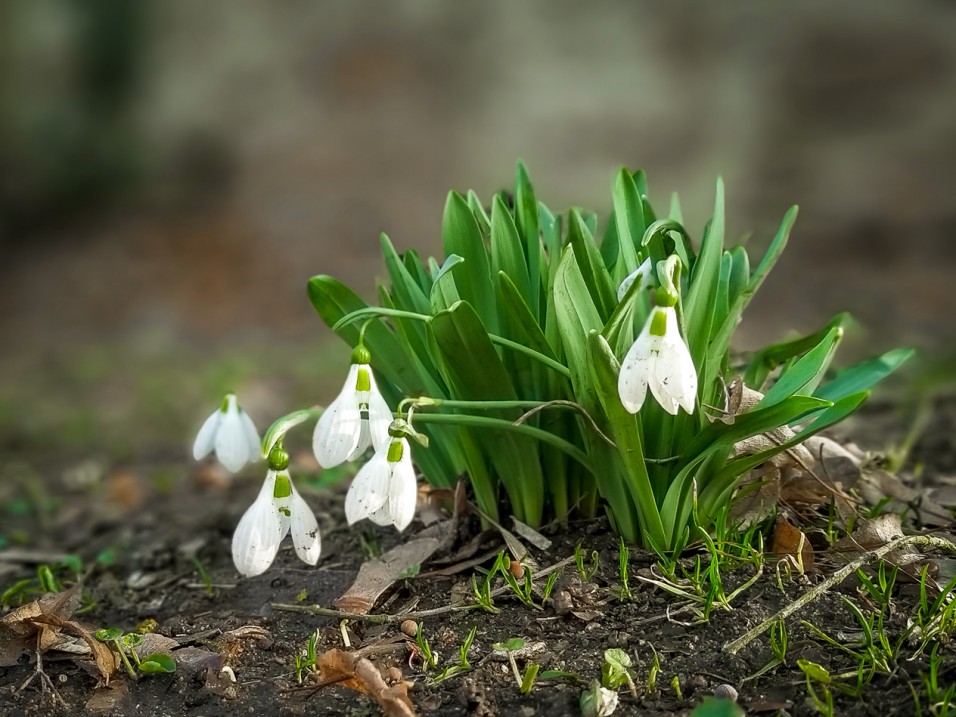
(501, 424)
(500, 340)
(283, 425)
(126, 662)
(427, 402)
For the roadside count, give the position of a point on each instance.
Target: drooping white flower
(231, 433)
(277, 511)
(357, 418)
(385, 490)
(660, 359)
(644, 272)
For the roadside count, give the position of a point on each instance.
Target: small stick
(838, 577)
(416, 615)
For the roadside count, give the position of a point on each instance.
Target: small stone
(726, 692)
(409, 628)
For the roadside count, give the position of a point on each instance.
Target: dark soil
(152, 528)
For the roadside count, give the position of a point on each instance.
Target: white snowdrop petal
(337, 432)
(632, 380)
(403, 491)
(232, 447)
(253, 443)
(369, 490)
(382, 516)
(661, 383)
(206, 438)
(305, 530)
(257, 537)
(379, 417)
(364, 440)
(643, 271)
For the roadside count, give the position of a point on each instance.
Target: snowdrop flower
(231, 433)
(277, 511)
(385, 490)
(659, 358)
(357, 418)
(644, 272)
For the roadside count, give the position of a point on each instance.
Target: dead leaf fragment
(790, 543)
(361, 674)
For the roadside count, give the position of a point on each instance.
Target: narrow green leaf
(592, 267)
(461, 235)
(805, 373)
(479, 211)
(769, 358)
(526, 220)
(701, 295)
(721, 337)
(507, 253)
(629, 216)
(863, 376)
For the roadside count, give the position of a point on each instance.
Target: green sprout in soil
(650, 685)
(463, 664)
(204, 575)
(306, 662)
(49, 579)
(584, 570)
(818, 678)
(525, 682)
(623, 557)
(616, 671)
(126, 644)
(482, 592)
(940, 700)
(429, 658)
(564, 365)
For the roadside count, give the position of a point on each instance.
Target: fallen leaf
(789, 543)
(872, 534)
(378, 575)
(360, 674)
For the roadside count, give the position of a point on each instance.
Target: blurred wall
(182, 168)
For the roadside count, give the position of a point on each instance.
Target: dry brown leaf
(872, 534)
(530, 534)
(360, 674)
(103, 656)
(790, 543)
(20, 631)
(378, 575)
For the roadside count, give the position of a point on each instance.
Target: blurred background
(172, 173)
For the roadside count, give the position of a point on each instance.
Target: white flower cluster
(385, 490)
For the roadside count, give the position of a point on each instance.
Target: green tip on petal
(283, 487)
(395, 451)
(362, 381)
(361, 355)
(278, 460)
(658, 323)
(225, 401)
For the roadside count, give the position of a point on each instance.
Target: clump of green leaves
(510, 350)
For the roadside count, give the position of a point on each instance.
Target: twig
(400, 616)
(838, 577)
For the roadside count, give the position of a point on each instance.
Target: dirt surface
(141, 538)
